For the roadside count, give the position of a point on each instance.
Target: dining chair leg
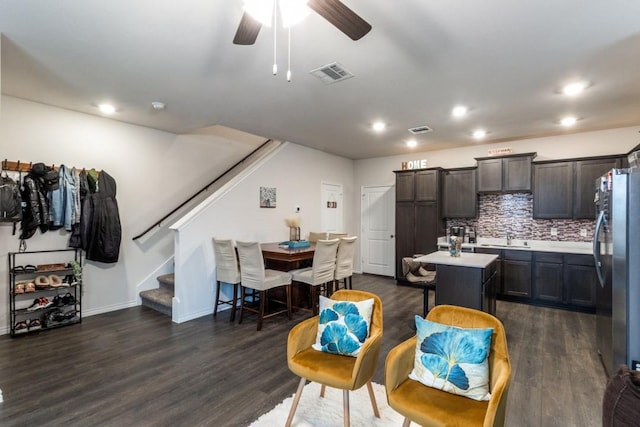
(406, 423)
(243, 292)
(372, 396)
(288, 291)
(234, 302)
(350, 282)
(314, 305)
(322, 389)
(263, 297)
(296, 399)
(345, 399)
(215, 306)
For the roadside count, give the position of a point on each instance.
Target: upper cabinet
(427, 185)
(566, 189)
(460, 198)
(404, 186)
(505, 174)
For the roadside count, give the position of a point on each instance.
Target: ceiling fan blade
(343, 18)
(247, 30)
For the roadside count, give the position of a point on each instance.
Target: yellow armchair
(337, 371)
(431, 407)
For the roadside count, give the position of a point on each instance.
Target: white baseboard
(109, 308)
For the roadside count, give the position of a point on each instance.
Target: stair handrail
(205, 188)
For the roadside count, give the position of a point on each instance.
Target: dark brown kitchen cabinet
(498, 265)
(516, 273)
(419, 220)
(460, 198)
(565, 189)
(404, 186)
(505, 174)
(548, 277)
(581, 281)
(553, 190)
(587, 171)
(427, 185)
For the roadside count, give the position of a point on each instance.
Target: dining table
(279, 257)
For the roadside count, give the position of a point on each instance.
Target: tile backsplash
(502, 213)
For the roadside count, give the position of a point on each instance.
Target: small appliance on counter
(457, 231)
(472, 235)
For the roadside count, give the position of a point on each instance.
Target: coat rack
(19, 166)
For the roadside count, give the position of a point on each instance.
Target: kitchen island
(466, 281)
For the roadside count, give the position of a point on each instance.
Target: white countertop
(585, 248)
(466, 259)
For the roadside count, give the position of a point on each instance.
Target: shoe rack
(45, 290)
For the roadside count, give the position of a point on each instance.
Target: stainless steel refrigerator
(616, 249)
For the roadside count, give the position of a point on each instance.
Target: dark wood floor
(135, 368)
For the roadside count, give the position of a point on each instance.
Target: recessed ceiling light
(107, 108)
(574, 89)
(459, 111)
(568, 121)
(479, 134)
(412, 143)
(378, 126)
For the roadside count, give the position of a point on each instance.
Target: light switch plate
(554, 231)
(583, 232)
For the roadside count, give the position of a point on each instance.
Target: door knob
(391, 236)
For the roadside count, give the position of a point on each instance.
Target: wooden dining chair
(254, 276)
(227, 271)
(320, 275)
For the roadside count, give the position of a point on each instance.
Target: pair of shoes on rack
(60, 301)
(19, 269)
(34, 324)
(39, 303)
(21, 327)
(57, 316)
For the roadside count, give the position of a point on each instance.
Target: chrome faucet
(509, 237)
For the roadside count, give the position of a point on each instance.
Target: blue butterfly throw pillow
(343, 326)
(453, 359)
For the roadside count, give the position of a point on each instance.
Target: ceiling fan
(334, 11)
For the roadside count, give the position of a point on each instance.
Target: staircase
(160, 298)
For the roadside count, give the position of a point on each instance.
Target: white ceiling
(505, 59)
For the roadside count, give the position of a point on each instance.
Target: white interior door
(332, 208)
(378, 224)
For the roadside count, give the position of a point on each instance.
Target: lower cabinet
(516, 273)
(564, 280)
(581, 280)
(545, 278)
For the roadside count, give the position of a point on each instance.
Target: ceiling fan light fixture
(260, 10)
(293, 11)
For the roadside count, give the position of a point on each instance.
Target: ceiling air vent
(420, 129)
(331, 73)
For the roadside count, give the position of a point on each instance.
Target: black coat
(100, 223)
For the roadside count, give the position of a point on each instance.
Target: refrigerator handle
(596, 247)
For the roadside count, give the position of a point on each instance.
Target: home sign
(414, 164)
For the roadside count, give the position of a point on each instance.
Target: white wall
(297, 173)
(155, 171)
(379, 171)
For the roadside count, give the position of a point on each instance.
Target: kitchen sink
(503, 246)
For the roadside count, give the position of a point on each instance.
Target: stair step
(167, 281)
(159, 299)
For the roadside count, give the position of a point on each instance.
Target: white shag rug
(327, 411)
